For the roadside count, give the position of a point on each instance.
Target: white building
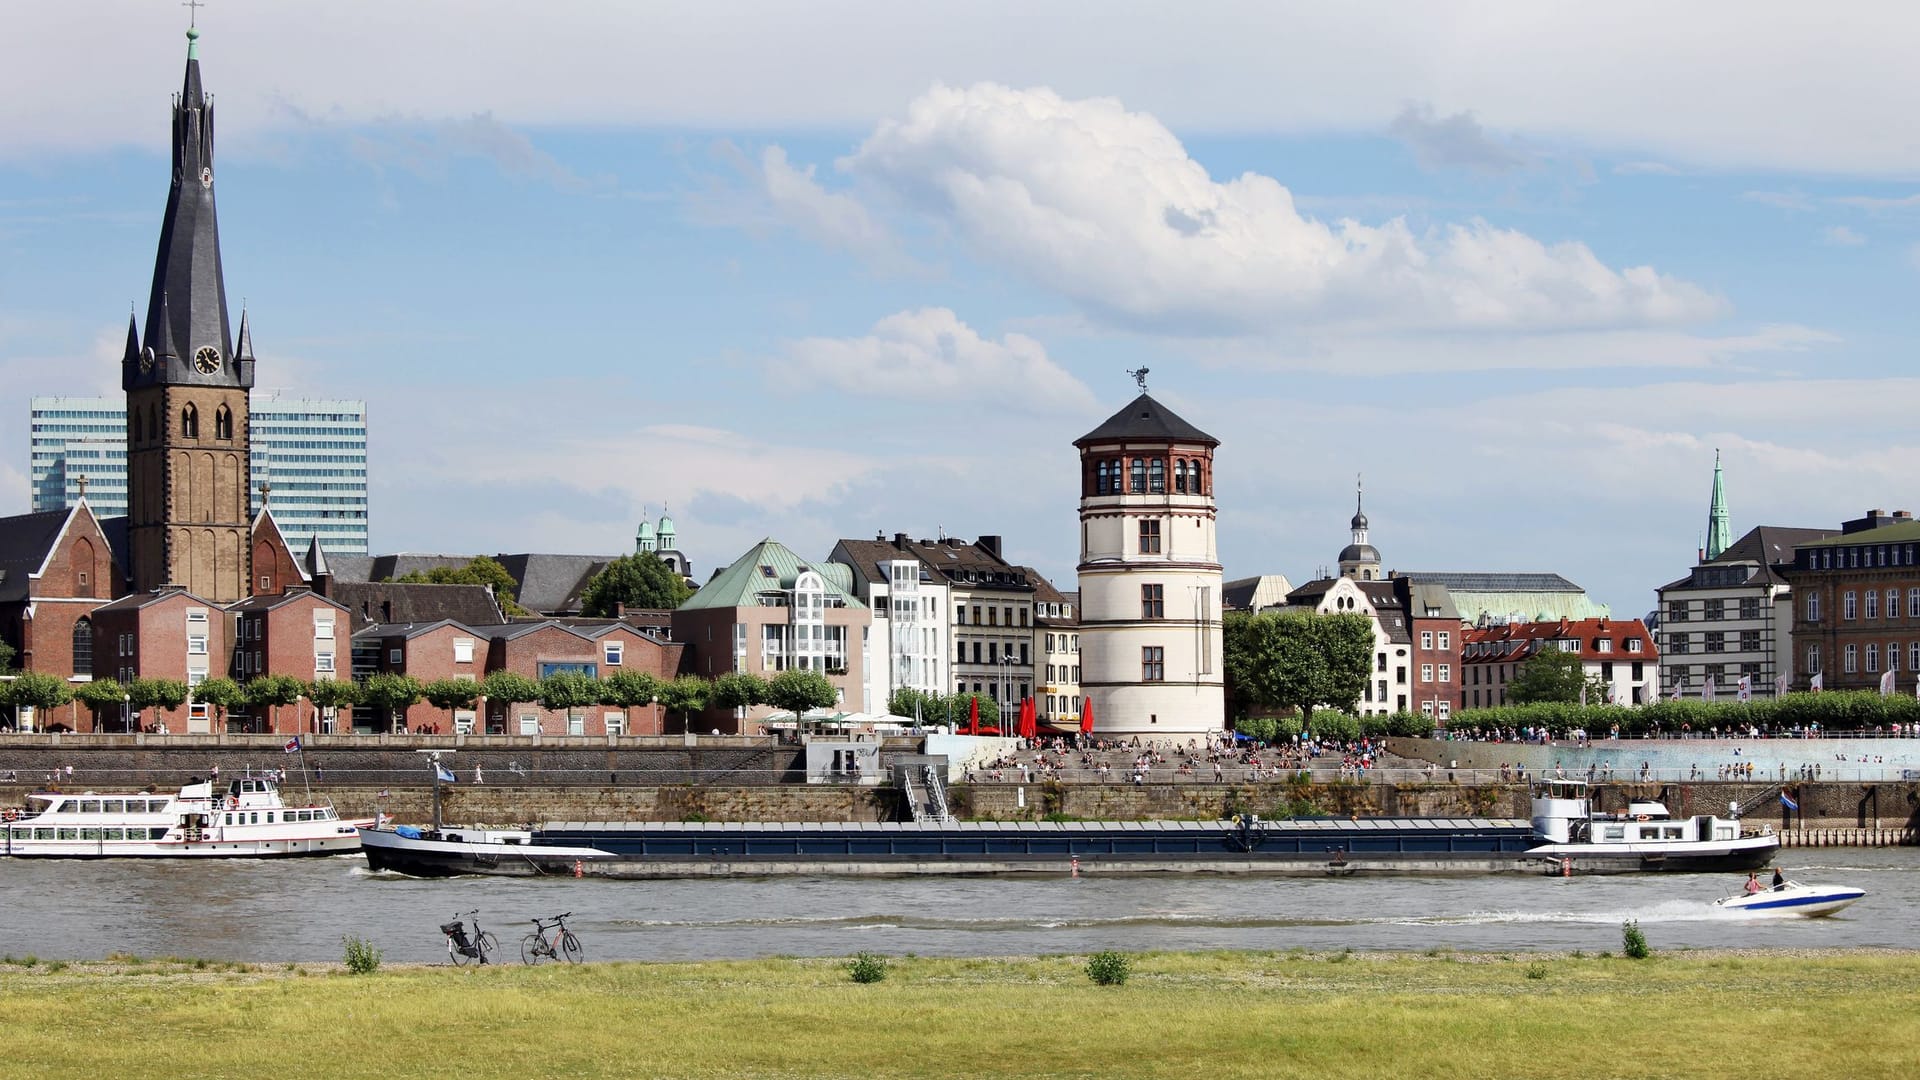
(1150, 580)
(907, 645)
(312, 454)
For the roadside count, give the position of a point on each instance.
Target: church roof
(1145, 418)
(25, 540)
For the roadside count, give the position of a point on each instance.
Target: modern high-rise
(308, 456)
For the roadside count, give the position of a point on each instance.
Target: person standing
(1779, 880)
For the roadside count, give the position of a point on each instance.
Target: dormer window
(1633, 644)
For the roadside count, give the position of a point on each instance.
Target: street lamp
(126, 712)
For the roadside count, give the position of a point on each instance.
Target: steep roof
(552, 584)
(1254, 593)
(768, 566)
(947, 561)
(1145, 418)
(25, 541)
(269, 601)
(1764, 547)
(1492, 644)
(393, 602)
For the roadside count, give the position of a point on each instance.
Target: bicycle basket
(455, 930)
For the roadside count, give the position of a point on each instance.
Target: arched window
(223, 423)
(190, 422)
(1179, 476)
(1139, 476)
(133, 432)
(1158, 472)
(154, 430)
(83, 647)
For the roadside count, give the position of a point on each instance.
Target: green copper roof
(1718, 535)
(768, 566)
(1885, 534)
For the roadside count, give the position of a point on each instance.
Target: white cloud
(928, 354)
(1104, 205)
(1794, 201)
(833, 218)
(1454, 142)
(427, 148)
(1878, 202)
(1645, 168)
(1841, 236)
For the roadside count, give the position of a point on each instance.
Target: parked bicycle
(562, 945)
(461, 948)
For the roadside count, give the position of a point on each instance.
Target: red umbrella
(1086, 715)
(1029, 719)
(973, 716)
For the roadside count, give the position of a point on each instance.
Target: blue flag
(442, 773)
(1787, 801)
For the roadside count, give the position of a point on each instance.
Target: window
(1813, 607)
(529, 724)
(223, 423)
(462, 651)
(396, 657)
(1716, 641)
(550, 668)
(1677, 611)
(1913, 656)
(1893, 603)
(1749, 641)
(1150, 537)
(1446, 672)
(1446, 708)
(1153, 663)
(1849, 605)
(1426, 639)
(1913, 603)
(960, 615)
(1606, 644)
(1873, 653)
(615, 652)
(1426, 672)
(1153, 603)
(1633, 645)
(1100, 478)
(1893, 656)
(1446, 640)
(323, 627)
(1157, 477)
(1873, 604)
(190, 422)
(1750, 607)
(1813, 658)
(323, 662)
(1139, 485)
(1852, 663)
(576, 724)
(196, 644)
(1678, 643)
(1179, 477)
(83, 647)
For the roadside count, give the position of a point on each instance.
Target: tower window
(1157, 482)
(1139, 485)
(190, 422)
(1150, 537)
(1153, 663)
(1153, 602)
(1179, 476)
(1100, 480)
(223, 423)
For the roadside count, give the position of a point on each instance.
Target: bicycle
(461, 948)
(563, 945)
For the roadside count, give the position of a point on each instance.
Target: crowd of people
(1140, 761)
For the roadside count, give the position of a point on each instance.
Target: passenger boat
(1646, 837)
(1793, 898)
(245, 819)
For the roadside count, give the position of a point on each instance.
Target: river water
(298, 910)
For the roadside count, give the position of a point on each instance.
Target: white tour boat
(1793, 898)
(245, 819)
(1646, 837)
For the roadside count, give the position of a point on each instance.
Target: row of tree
(951, 709)
(389, 693)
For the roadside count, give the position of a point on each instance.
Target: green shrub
(1632, 942)
(1536, 970)
(362, 957)
(867, 968)
(1109, 968)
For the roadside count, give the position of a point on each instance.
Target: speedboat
(1793, 898)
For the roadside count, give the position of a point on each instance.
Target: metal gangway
(926, 795)
(936, 796)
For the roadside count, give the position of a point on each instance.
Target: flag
(1817, 683)
(1706, 689)
(1786, 800)
(1886, 684)
(384, 794)
(293, 745)
(1780, 686)
(1675, 696)
(442, 773)
(1746, 688)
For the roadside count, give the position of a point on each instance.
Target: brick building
(164, 634)
(1856, 599)
(56, 568)
(1618, 652)
(298, 633)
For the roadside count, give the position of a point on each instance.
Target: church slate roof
(25, 540)
(1145, 418)
(552, 584)
(390, 602)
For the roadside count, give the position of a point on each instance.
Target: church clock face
(207, 360)
(146, 360)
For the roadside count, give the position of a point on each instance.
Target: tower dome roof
(646, 529)
(1359, 553)
(1359, 520)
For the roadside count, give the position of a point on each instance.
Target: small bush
(1633, 943)
(1109, 968)
(56, 965)
(1536, 971)
(867, 968)
(362, 957)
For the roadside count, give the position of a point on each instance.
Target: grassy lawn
(1211, 1015)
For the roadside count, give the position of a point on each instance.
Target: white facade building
(1150, 578)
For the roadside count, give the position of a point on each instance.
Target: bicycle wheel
(532, 948)
(488, 945)
(570, 947)
(457, 954)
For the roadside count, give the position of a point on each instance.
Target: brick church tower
(186, 380)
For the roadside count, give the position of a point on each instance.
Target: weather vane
(1140, 377)
(193, 12)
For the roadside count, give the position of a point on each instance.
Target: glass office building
(312, 453)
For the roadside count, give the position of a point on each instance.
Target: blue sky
(814, 271)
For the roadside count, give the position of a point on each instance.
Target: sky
(827, 270)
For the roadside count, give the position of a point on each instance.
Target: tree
(99, 696)
(1297, 660)
(796, 691)
(685, 695)
(509, 688)
(330, 694)
(906, 701)
(146, 694)
(273, 691)
(639, 580)
(482, 570)
(564, 691)
(739, 690)
(222, 693)
(628, 689)
(1552, 674)
(40, 692)
(6, 657)
(451, 694)
(389, 692)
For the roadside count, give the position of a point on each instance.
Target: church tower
(186, 380)
(1150, 636)
(1359, 560)
(1719, 533)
